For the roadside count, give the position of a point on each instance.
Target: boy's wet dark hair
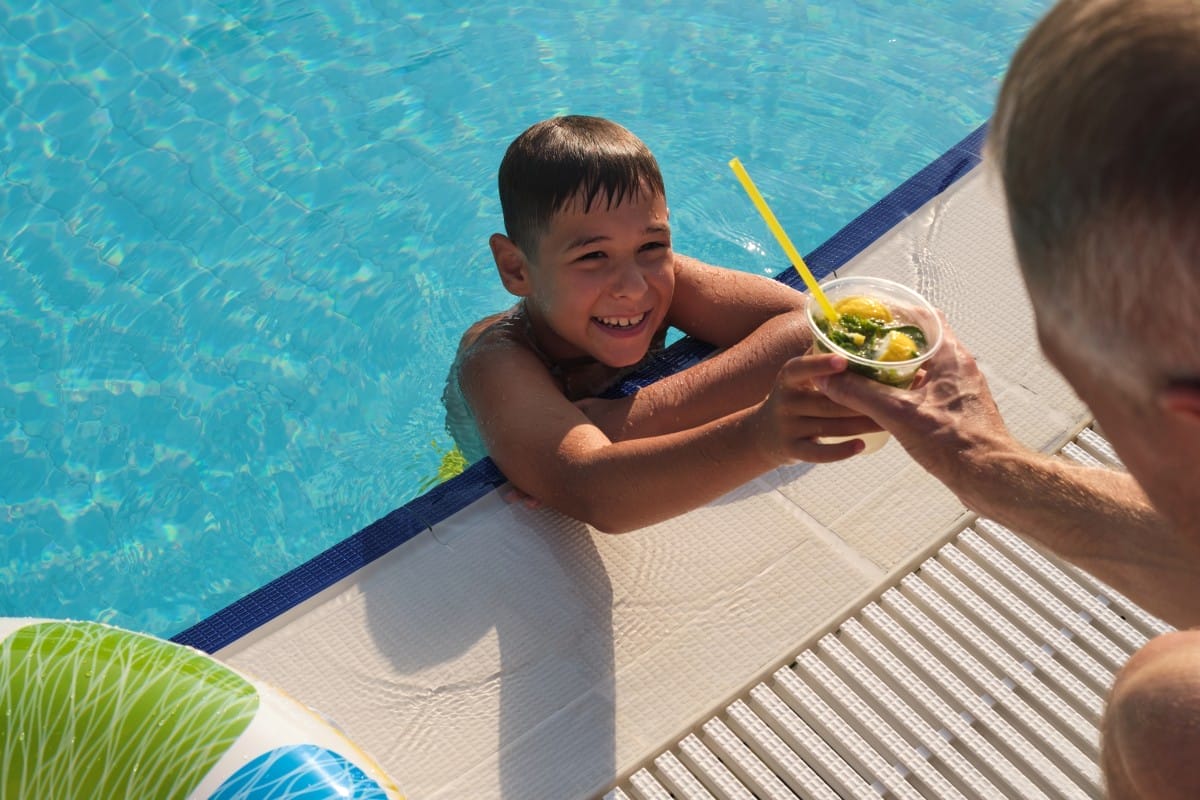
(562, 158)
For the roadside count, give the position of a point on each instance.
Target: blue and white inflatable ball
(94, 711)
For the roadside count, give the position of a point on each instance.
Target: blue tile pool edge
(385, 534)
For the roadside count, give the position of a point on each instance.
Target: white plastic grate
(981, 674)
(679, 778)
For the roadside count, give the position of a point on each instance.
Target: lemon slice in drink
(863, 307)
(896, 346)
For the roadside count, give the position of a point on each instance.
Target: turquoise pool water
(239, 239)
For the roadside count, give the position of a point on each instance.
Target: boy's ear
(511, 264)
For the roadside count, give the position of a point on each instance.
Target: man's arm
(1096, 518)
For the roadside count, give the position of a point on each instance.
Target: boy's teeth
(622, 322)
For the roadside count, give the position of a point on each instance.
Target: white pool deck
(519, 654)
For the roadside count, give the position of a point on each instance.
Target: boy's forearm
(632, 484)
(735, 378)
(1096, 518)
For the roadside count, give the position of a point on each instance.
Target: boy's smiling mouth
(621, 322)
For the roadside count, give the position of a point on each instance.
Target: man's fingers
(863, 395)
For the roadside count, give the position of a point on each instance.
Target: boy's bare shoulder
(497, 344)
(494, 330)
(502, 378)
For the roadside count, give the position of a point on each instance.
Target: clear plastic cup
(906, 307)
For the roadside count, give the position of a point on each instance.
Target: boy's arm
(759, 323)
(1097, 518)
(723, 306)
(548, 449)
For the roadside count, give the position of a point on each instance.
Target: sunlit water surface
(240, 239)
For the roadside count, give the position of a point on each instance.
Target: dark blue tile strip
(892, 209)
(383, 535)
(342, 560)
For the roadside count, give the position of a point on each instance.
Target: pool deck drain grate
(980, 674)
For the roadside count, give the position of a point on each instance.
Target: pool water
(240, 239)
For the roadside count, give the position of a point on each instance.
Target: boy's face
(601, 282)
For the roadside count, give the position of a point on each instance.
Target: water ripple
(240, 239)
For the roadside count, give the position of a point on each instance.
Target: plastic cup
(907, 307)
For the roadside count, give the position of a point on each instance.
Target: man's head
(1097, 139)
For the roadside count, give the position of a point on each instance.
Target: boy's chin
(621, 361)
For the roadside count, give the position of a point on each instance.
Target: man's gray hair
(1097, 140)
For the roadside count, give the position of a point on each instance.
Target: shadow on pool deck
(520, 601)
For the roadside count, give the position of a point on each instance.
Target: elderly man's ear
(1182, 400)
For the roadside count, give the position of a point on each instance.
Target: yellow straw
(784, 241)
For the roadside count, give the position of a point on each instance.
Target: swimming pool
(240, 240)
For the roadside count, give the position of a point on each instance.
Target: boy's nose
(629, 280)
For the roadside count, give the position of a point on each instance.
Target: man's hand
(1097, 518)
(946, 421)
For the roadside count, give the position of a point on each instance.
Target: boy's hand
(797, 413)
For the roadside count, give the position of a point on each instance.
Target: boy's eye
(592, 255)
(655, 245)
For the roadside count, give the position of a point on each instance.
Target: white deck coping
(520, 654)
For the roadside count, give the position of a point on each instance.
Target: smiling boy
(588, 250)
